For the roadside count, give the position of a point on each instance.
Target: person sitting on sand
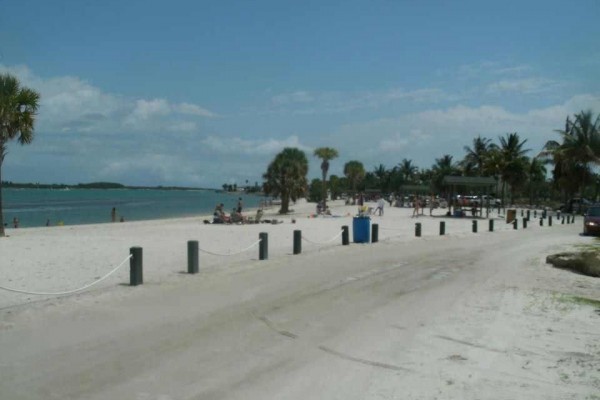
(219, 216)
(237, 217)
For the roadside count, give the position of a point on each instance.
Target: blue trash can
(361, 229)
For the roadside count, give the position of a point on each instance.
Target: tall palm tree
(443, 167)
(581, 142)
(325, 154)
(475, 158)
(536, 175)
(286, 176)
(514, 162)
(354, 172)
(383, 177)
(18, 107)
(407, 170)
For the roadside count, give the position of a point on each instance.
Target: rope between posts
(326, 242)
(69, 291)
(230, 254)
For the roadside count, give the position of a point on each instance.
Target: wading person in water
(113, 215)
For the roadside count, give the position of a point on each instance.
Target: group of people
(220, 217)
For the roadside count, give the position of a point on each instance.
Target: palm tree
(581, 143)
(18, 106)
(407, 170)
(475, 158)
(580, 147)
(536, 174)
(286, 176)
(354, 172)
(513, 162)
(443, 167)
(383, 177)
(325, 154)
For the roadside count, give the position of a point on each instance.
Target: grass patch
(581, 300)
(586, 262)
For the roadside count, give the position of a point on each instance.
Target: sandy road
(444, 317)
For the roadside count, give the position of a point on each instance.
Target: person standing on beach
(113, 215)
(380, 205)
(415, 207)
(239, 205)
(16, 222)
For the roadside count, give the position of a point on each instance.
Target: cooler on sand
(361, 229)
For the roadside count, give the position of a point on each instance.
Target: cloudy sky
(201, 93)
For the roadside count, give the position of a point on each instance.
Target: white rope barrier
(326, 242)
(69, 291)
(230, 254)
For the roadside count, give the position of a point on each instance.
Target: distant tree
(514, 162)
(474, 160)
(355, 173)
(286, 176)
(335, 186)
(407, 170)
(325, 154)
(536, 176)
(18, 107)
(580, 145)
(315, 190)
(443, 167)
(383, 176)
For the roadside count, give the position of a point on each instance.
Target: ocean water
(33, 207)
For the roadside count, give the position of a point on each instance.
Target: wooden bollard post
(442, 228)
(521, 212)
(418, 229)
(528, 214)
(374, 233)
(345, 236)
(136, 272)
(193, 259)
(474, 226)
(263, 246)
(541, 221)
(491, 227)
(534, 213)
(562, 221)
(549, 220)
(573, 219)
(297, 242)
(558, 215)
(516, 224)
(524, 223)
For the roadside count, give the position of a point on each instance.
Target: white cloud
(257, 147)
(193, 109)
(70, 104)
(426, 135)
(524, 86)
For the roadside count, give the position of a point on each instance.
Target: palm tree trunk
(285, 203)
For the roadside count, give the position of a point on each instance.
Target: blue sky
(204, 93)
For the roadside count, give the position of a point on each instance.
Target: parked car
(576, 205)
(591, 221)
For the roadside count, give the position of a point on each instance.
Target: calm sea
(33, 207)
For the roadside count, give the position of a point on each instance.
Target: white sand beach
(460, 316)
